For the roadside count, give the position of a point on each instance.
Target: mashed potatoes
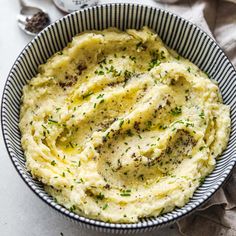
(119, 127)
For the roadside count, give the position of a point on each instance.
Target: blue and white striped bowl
(179, 34)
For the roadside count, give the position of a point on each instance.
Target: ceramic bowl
(186, 38)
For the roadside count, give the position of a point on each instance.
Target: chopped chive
(100, 196)
(99, 72)
(53, 163)
(162, 210)
(100, 95)
(201, 180)
(52, 121)
(132, 58)
(71, 144)
(202, 115)
(153, 63)
(201, 148)
(162, 126)
(121, 123)
(72, 208)
(105, 206)
(87, 95)
(125, 194)
(176, 111)
(139, 45)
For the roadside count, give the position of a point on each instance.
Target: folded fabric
(217, 216)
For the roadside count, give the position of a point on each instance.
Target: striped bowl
(179, 34)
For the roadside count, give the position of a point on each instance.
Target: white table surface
(22, 213)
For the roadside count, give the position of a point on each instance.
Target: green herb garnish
(105, 206)
(100, 196)
(201, 148)
(52, 121)
(100, 72)
(162, 126)
(121, 123)
(202, 115)
(87, 95)
(71, 144)
(53, 163)
(72, 208)
(153, 63)
(125, 193)
(100, 96)
(176, 111)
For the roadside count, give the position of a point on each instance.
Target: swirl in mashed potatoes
(118, 127)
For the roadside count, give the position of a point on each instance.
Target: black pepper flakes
(81, 67)
(37, 22)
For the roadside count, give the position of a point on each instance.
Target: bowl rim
(95, 222)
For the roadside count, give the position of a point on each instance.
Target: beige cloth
(218, 18)
(217, 217)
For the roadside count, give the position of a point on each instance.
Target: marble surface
(22, 213)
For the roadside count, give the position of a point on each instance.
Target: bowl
(186, 38)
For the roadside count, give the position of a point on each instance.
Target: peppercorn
(37, 22)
